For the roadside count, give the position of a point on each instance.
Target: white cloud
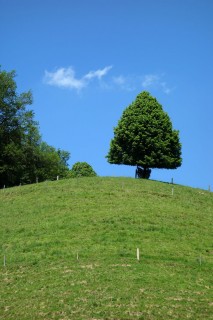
(165, 88)
(150, 80)
(125, 83)
(98, 73)
(120, 80)
(156, 81)
(65, 78)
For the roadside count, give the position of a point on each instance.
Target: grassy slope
(101, 221)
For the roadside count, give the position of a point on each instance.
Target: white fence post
(138, 254)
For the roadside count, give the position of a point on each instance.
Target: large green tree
(144, 137)
(24, 158)
(12, 129)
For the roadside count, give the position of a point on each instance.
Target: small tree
(144, 137)
(52, 162)
(82, 169)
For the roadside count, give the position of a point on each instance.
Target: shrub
(82, 169)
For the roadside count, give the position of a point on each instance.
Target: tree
(23, 155)
(51, 163)
(82, 169)
(144, 137)
(12, 129)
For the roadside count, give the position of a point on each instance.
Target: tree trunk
(142, 173)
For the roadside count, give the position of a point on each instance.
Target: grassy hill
(68, 250)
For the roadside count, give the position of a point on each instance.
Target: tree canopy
(24, 157)
(144, 137)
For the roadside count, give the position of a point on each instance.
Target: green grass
(70, 249)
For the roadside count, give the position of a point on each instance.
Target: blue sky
(87, 60)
